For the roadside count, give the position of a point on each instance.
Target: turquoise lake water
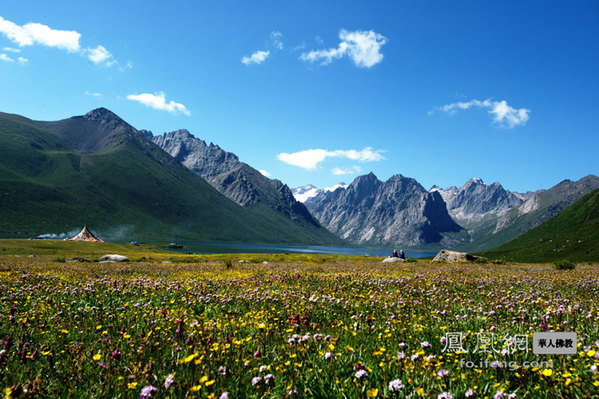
(221, 247)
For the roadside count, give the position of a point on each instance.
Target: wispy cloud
(39, 34)
(258, 57)
(362, 47)
(347, 171)
(6, 58)
(128, 65)
(22, 60)
(503, 114)
(276, 38)
(158, 101)
(100, 56)
(93, 94)
(264, 173)
(309, 159)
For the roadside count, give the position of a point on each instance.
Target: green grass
(54, 249)
(109, 330)
(572, 235)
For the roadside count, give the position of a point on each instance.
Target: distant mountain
(305, 193)
(235, 179)
(571, 235)
(475, 200)
(98, 169)
(509, 214)
(397, 212)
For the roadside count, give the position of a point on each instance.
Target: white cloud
(158, 101)
(503, 114)
(300, 46)
(309, 159)
(34, 33)
(100, 55)
(22, 60)
(363, 47)
(347, 171)
(5, 58)
(258, 57)
(39, 34)
(264, 173)
(93, 94)
(276, 39)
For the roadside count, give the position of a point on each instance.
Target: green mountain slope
(571, 235)
(97, 169)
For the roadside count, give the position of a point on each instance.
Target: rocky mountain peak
(182, 134)
(397, 211)
(146, 133)
(102, 115)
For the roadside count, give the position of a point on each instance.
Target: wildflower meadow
(293, 330)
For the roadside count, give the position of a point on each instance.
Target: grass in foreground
(287, 329)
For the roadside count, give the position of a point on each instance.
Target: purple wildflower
(256, 381)
(443, 373)
(147, 392)
(269, 379)
(169, 381)
(361, 374)
(395, 386)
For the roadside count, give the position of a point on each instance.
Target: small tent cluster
(85, 235)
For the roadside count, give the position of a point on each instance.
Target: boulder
(114, 258)
(393, 260)
(452, 256)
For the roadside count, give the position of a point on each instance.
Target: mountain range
(98, 169)
(131, 185)
(398, 211)
(487, 215)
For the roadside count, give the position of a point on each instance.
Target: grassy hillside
(571, 235)
(131, 190)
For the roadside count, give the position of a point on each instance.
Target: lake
(228, 247)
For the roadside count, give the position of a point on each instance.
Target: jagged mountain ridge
(475, 200)
(309, 191)
(235, 179)
(398, 211)
(493, 215)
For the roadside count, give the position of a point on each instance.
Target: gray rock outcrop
(452, 256)
(114, 258)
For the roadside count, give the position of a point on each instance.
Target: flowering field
(353, 330)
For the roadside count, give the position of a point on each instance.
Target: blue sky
(440, 91)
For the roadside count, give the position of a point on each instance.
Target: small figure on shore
(394, 255)
(402, 255)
